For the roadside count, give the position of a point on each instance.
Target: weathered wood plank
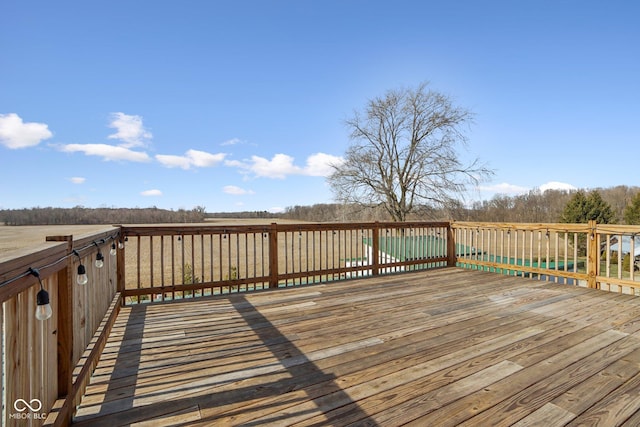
(619, 404)
(548, 415)
(438, 348)
(587, 393)
(482, 403)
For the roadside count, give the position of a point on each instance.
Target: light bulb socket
(99, 259)
(43, 308)
(42, 298)
(82, 277)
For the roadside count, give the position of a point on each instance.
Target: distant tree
(632, 211)
(584, 208)
(404, 153)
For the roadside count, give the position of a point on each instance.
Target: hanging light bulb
(99, 260)
(43, 308)
(120, 244)
(82, 278)
(113, 249)
(99, 257)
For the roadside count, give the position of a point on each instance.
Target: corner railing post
(451, 246)
(375, 249)
(65, 310)
(120, 267)
(273, 255)
(593, 255)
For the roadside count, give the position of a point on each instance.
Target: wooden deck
(445, 347)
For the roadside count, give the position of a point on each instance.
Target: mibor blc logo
(27, 410)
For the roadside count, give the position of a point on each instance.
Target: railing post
(451, 246)
(65, 329)
(593, 256)
(273, 255)
(375, 249)
(120, 268)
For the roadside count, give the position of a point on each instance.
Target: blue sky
(240, 105)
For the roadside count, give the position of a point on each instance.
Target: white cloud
(504, 188)
(107, 152)
(232, 141)
(276, 210)
(129, 129)
(320, 164)
(172, 161)
(279, 166)
(515, 190)
(202, 159)
(14, 133)
(192, 158)
(77, 179)
(151, 193)
(236, 191)
(555, 185)
(282, 165)
(236, 164)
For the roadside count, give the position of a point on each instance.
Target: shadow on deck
(445, 347)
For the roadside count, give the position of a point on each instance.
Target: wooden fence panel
(38, 355)
(30, 358)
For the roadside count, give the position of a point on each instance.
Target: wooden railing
(46, 364)
(578, 254)
(166, 263)
(619, 258)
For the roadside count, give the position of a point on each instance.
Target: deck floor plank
(442, 347)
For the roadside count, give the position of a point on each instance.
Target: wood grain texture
(444, 347)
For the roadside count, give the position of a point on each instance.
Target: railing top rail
(578, 228)
(14, 277)
(153, 230)
(617, 229)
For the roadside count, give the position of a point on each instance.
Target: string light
(42, 298)
(99, 257)
(81, 278)
(43, 307)
(113, 249)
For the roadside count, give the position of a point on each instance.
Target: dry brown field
(16, 241)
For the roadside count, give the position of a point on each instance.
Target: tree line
(620, 205)
(80, 215)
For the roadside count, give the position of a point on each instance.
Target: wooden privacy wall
(39, 384)
(174, 262)
(29, 359)
(92, 300)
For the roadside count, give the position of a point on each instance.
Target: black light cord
(75, 252)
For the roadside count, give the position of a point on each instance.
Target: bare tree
(404, 153)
